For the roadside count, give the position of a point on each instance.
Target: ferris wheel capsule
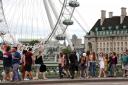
(60, 37)
(74, 4)
(67, 22)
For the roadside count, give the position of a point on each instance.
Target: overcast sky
(28, 17)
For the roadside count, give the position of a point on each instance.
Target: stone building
(108, 34)
(77, 44)
(76, 41)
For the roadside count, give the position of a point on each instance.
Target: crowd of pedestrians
(92, 65)
(88, 65)
(12, 60)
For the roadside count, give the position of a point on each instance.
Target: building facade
(108, 34)
(77, 44)
(76, 41)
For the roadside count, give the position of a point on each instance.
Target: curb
(57, 81)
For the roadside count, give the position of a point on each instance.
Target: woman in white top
(102, 65)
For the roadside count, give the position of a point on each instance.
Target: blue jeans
(112, 70)
(15, 71)
(61, 72)
(92, 69)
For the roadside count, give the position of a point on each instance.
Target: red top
(28, 58)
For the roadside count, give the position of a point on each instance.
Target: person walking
(112, 65)
(73, 64)
(82, 65)
(22, 62)
(28, 64)
(61, 65)
(38, 62)
(124, 61)
(87, 64)
(15, 63)
(106, 64)
(66, 65)
(102, 65)
(92, 63)
(7, 63)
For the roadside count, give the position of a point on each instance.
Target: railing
(53, 71)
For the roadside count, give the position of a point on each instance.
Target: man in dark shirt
(73, 64)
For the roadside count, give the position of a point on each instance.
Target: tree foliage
(66, 50)
(33, 42)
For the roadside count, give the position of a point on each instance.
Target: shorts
(125, 67)
(28, 68)
(37, 66)
(7, 69)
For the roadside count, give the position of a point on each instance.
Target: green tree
(33, 42)
(66, 50)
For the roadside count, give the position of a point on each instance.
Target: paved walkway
(92, 81)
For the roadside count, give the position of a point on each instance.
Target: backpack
(1, 55)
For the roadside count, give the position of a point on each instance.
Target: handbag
(42, 68)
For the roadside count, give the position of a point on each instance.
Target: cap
(84, 54)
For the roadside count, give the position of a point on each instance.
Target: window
(114, 48)
(125, 43)
(114, 32)
(121, 48)
(96, 29)
(100, 44)
(107, 44)
(125, 31)
(107, 49)
(104, 44)
(118, 49)
(107, 32)
(124, 27)
(103, 32)
(117, 27)
(110, 32)
(110, 27)
(122, 31)
(111, 44)
(97, 49)
(104, 49)
(103, 28)
(121, 43)
(97, 33)
(118, 32)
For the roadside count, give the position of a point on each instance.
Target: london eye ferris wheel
(40, 19)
